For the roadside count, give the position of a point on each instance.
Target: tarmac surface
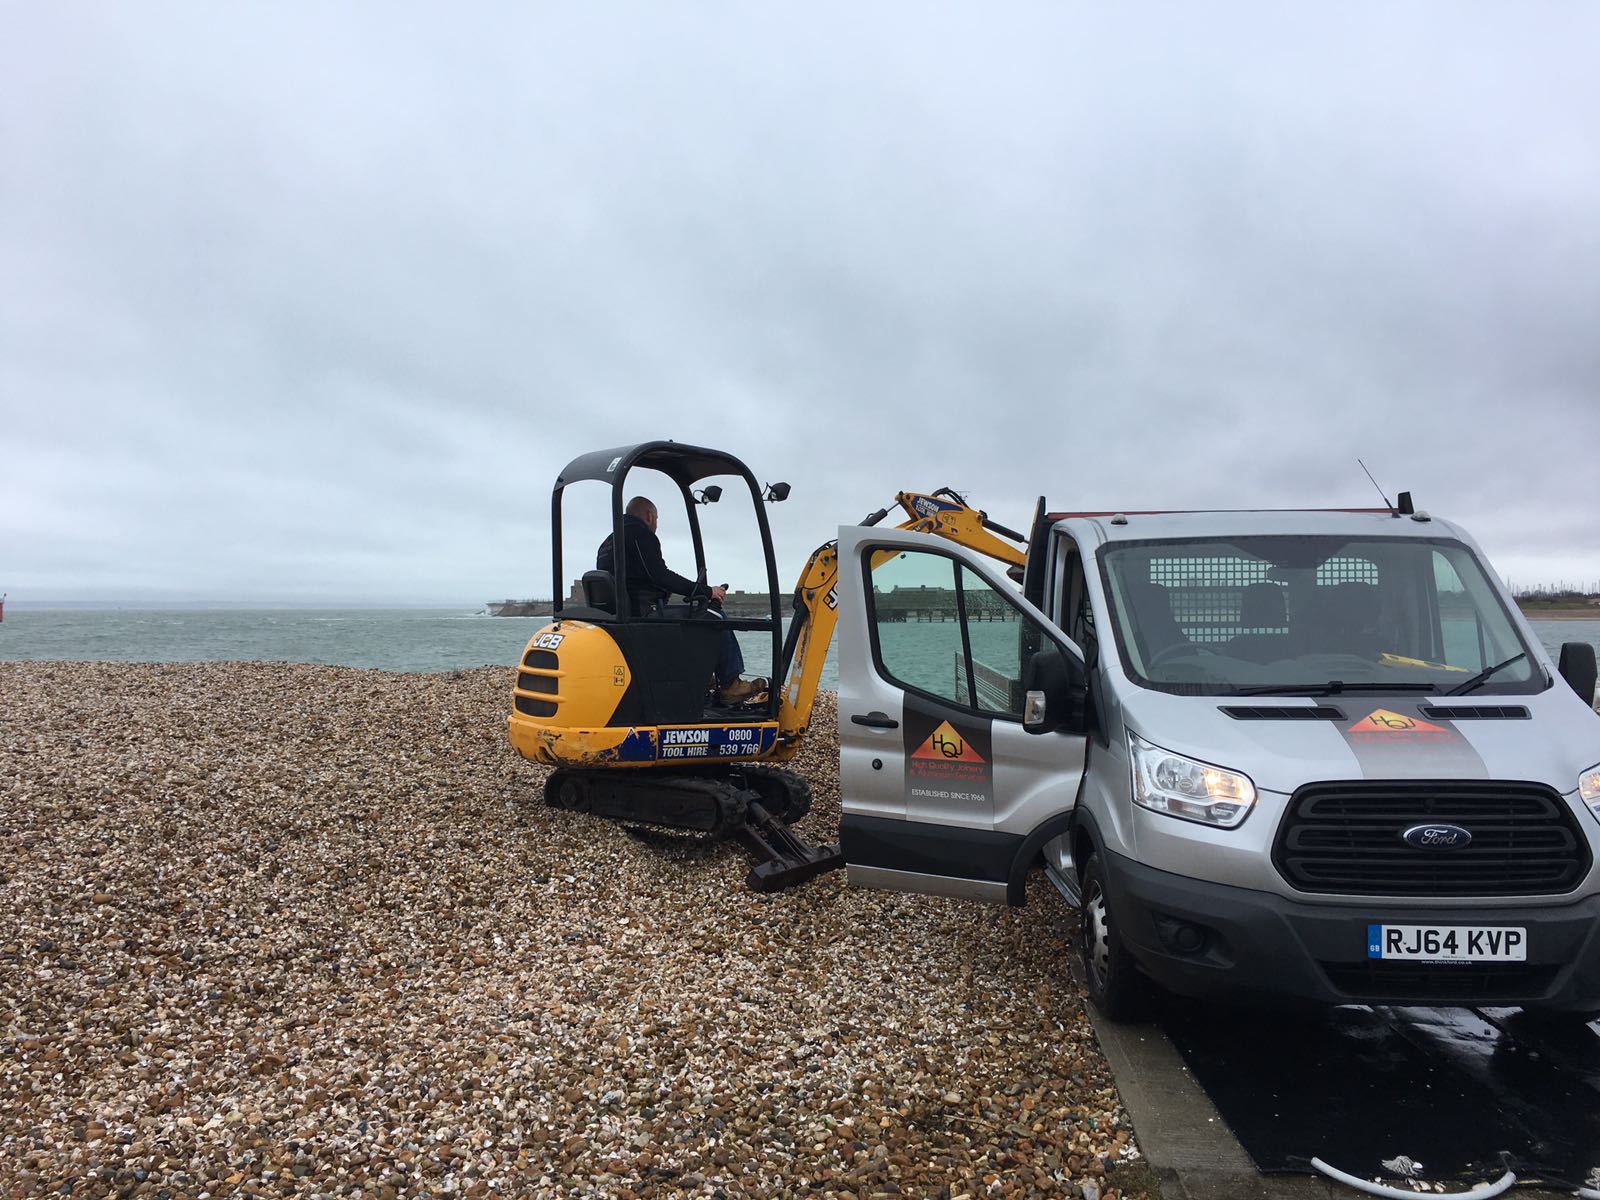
(1234, 1104)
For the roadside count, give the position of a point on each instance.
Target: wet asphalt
(1233, 1102)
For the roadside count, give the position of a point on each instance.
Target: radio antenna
(1386, 503)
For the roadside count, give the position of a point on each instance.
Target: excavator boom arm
(942, 513)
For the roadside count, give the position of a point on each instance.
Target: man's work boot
(737, 691)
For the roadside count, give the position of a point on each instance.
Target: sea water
(397, 639)
(411, 639)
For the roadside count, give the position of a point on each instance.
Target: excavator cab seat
(600, 591)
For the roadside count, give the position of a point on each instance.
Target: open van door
(962, 719)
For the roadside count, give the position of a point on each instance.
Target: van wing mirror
(1577, 667)
(1051, 698)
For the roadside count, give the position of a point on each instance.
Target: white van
(1313, 756)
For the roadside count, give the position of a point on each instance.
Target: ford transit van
(1312, 755)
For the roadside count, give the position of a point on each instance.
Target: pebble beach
(271, 929)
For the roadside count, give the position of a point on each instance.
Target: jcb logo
(548, 641)
(831, 599)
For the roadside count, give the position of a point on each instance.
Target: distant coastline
(756, 604)
(734, 604)
(519, 608)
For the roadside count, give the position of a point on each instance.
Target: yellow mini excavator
(622, 704)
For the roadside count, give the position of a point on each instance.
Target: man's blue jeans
(730, 658)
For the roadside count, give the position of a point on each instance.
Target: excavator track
(750, 805)
(784, 794)
(697, 803)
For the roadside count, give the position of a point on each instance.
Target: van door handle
(875, 720)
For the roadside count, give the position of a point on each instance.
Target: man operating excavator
(650, 583)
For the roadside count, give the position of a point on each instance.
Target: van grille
(1440, 982)
(1345, 838)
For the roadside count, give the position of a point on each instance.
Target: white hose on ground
(1585, 1193)
(1481, 1192)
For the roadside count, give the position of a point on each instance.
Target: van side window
(941, 629)
(1075, 608)
(998, 640)
(1458, 622)
(1469, 643)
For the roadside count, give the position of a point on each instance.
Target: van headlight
(1589, 789)
(1181, 787)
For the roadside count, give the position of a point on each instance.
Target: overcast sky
(313, 301)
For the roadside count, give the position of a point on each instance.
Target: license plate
(1447, 943)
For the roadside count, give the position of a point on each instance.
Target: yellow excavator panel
(573, 676)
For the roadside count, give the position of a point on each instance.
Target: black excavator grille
(1345, 838)
(527, 681)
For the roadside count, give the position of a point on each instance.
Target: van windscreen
(1310, 614)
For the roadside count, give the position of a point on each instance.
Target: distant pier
(901, 604)
(734, 604)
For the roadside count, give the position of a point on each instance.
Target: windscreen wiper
(1332, 688)
(1484, 675)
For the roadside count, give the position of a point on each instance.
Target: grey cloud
(309, 301)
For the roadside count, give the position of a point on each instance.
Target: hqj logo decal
(946, 744)
(1399, 743)
(1381, 723)
(947, 764)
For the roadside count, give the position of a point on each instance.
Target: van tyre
(1113, 982)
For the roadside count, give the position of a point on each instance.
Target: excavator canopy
(681, 463)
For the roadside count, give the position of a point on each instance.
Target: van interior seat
(1264, 616)
(1351, 618)
(1155, 628)
(1262, 607)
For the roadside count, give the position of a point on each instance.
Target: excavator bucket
(783, 858)
(731, 806)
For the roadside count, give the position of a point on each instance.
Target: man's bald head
(644, 509)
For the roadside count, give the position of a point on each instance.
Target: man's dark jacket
(649, 579)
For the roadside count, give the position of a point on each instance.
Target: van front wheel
(1114, 983)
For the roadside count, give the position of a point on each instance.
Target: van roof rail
(1167, 512)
